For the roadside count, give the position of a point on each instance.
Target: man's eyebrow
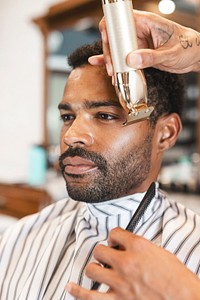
(64, 106)
(96, 104)
(92, 104)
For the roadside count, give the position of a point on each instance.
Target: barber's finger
(96, 60)
(103, 275)
(116, 280)
(121, 238)
(102, 28)
(107, 59)
(105, 254)
(84, 294)
(159, 59)
(145, 58)
(106, 48)
(99, 60)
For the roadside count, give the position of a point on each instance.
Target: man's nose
(78, 136)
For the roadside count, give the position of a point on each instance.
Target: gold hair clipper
(130, 84)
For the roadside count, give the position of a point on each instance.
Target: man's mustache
(96, 158)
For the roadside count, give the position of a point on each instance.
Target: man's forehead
(91, 84)
(87, 68)
(76, 73)
(89, 76)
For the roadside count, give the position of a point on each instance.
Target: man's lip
(77, 160)
(78, 165)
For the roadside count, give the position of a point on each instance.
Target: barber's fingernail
(134, 60)
(109, 69)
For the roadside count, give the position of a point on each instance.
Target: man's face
(101, 159)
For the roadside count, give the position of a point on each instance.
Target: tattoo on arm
(185, 43)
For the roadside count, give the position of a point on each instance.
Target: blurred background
(36, 37)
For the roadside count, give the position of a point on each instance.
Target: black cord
(148, 197)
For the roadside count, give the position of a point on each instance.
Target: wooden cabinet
(21, 200)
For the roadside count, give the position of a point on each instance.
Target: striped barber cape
(44, 251)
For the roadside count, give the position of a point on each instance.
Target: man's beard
(114, 177)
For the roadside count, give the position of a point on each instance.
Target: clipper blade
(139, 114)
(131, 89)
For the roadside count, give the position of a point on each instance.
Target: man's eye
(67, 117)
(106, 116)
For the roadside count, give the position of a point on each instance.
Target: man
(168, 46)
(107, 168)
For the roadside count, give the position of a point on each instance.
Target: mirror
(60, 44)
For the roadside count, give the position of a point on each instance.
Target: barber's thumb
(141, 59)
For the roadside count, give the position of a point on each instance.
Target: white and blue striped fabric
(42, 252)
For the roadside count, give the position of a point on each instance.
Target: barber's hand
(163, 44)
(139, 270)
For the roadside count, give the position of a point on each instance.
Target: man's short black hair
(165, 90)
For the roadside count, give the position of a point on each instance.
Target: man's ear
(168, 128)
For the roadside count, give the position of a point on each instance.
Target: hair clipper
(130, 84)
